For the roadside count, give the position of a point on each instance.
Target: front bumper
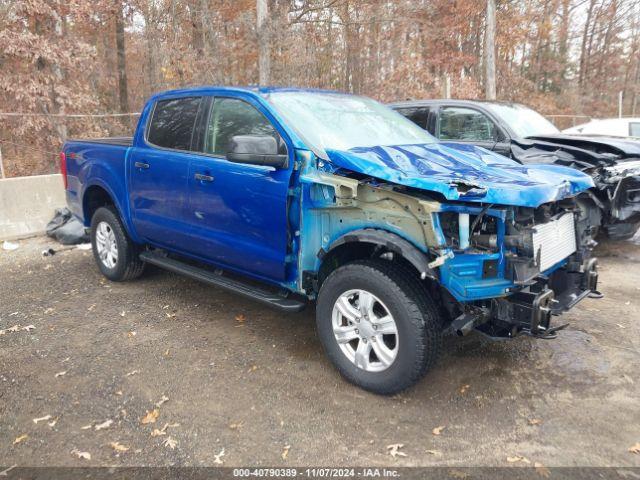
(530, 310)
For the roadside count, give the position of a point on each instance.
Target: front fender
(391, 242)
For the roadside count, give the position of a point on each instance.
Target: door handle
(203, 178)
(141, 165)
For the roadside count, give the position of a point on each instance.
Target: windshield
(335, 121)
(522, 120)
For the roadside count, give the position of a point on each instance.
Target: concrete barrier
(28, 203)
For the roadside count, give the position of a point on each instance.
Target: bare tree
(490, 51)
(264, 47)
(121, 55)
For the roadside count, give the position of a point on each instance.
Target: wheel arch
(99, 195)
(370, 243)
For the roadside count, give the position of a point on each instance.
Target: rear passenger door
(159, 173)
(238, 212)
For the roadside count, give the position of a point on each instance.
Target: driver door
(238, 212)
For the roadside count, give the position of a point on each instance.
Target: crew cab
(288, 196)
(514, 130)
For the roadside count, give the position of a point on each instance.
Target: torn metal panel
(463, 172)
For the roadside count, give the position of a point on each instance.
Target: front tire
(378, 326)
(114, 252)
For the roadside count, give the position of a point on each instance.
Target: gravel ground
(228, 375)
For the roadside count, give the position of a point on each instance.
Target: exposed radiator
(555, 240)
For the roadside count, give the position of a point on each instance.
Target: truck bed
(120, 141)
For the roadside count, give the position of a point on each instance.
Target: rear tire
(114, 252)
(379, 362)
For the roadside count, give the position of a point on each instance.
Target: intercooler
(554, 241)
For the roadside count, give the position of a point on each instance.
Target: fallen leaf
(119, 393)
(458, 474)
(163, 431)
(118, 447)
(82, 455)
(103, 425)
(28, 328)
(463, 389)
(164, 399)
(49, 310)
(150, 417)
(42, 419)
(170, 315)
(20, 439)
(236, 426)
(133, 372)
(91, 307)
(86, 427)
(394, 450)
(541, 470)
(433, 452)
(534, 421)
(252, 369)
(53, 422)
(438, 430)
(60, 374)
(635, 448)
(14, 329)
(123, 313)
(240, 318)
(518, 458)
(217, 458)
(285, 452)
(170, 442)
(131, 334)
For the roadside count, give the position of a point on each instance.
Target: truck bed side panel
(93, 165)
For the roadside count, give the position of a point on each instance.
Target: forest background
(80, 68)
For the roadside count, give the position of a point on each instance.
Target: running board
(286, 303)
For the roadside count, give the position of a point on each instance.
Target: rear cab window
(172, 123)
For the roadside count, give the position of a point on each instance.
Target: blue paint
(441, 168)
(269, 224)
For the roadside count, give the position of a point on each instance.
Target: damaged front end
(531, 259)
(619, 193)
(505, 246)
(613, 205)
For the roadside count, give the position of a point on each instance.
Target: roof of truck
(250, 89)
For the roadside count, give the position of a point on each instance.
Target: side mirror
(256, 150)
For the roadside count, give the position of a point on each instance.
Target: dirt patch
(243, 378)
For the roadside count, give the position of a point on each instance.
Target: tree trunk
(123, 94)
(490, 51)
(264, 47)
(585, 38)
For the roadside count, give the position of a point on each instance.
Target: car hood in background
(625, 147)
(464, 172)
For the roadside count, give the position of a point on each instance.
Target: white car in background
(618, 127)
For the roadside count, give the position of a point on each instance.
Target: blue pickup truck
(289, 195)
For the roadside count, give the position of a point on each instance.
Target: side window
(172, 123)
(417, 115)
(466, 124)
(232, 116)
(634, 129)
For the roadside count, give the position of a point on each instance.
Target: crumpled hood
(464, 172)
(626, 147)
